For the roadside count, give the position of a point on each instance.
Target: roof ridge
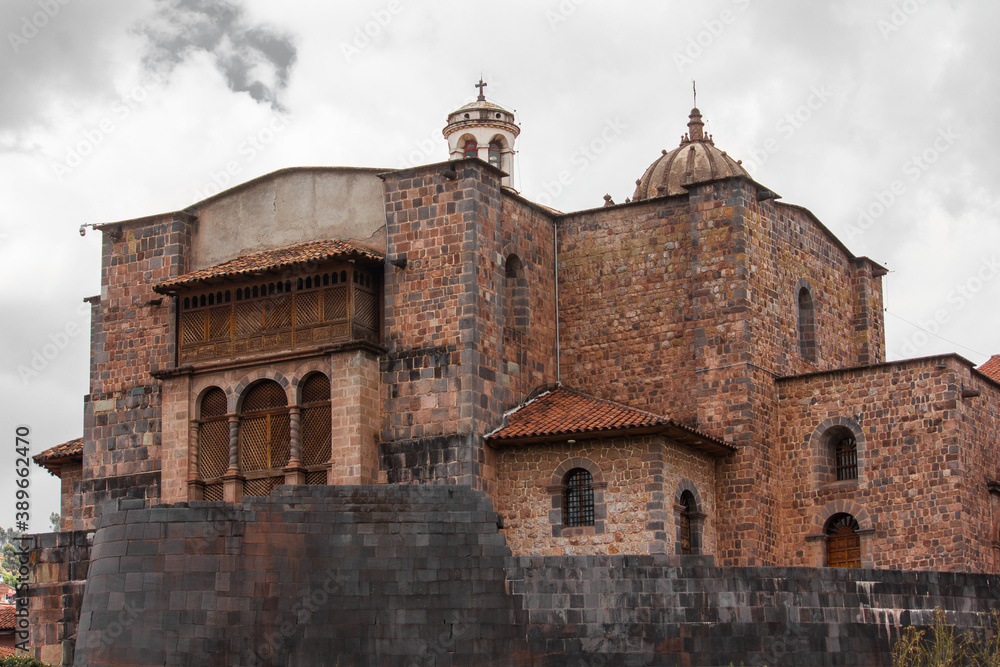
(613, 403)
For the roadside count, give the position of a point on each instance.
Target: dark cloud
(255, 59)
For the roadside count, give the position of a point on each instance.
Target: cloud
(255, 59)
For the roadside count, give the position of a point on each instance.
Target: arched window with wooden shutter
(264, 438)
(843, 544)
(213, 442)
(315, 431)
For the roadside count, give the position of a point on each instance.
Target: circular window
(498, 115)
(466, 115)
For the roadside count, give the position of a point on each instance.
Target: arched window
(994, 535)
(213, 443)
(845, 454)
(470, 149)
(843, 544)
(687, 537)
(315, 430)
(807, 325)
(264, 437)
(515, 295)
(578, 498)
(495, 149)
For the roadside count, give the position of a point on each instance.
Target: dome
(696, 160)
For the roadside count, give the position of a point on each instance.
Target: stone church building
(699, 370)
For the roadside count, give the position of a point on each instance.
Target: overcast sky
(880, 117)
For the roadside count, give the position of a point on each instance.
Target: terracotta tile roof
(6, 617)
(272, 260)
(67, 450)
(563, 412)
(7, 651)
(53, 457)
(992, 367)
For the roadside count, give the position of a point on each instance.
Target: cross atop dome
(482, 84)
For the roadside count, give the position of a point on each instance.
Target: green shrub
(21, 661)
(940, 646)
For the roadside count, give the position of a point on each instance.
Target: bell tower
(484, 130)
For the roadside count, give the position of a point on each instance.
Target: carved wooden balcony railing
(249, 318)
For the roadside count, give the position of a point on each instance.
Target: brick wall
(637, 483)
(979, 426)
(446, 373)
(131, 335)
(921, 487)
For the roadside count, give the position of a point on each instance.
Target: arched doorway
(843, 544)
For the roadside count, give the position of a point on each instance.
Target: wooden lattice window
(843, 544)
(315, 431)
(687, 511)
(578, 498)
(280, 315)
(807, 325)
(213, 435)
(470, 148)
(264, 428)
(846, 456)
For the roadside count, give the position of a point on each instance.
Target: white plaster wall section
(287, 207)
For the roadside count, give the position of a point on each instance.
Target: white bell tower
(484, 130)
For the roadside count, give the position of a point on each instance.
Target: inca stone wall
(420, 575)
(59, 564)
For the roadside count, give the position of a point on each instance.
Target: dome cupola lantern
(484, 130)
(696, 160)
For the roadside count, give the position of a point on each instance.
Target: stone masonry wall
(787, 250)
(638, 481)
(132, 334)
(59, 563)
(670, 610)
(914, 462)
(442, 376)
(349, 575)
(980, 435)
(419, 574)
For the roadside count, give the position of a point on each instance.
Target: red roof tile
(6, 617)
(564, 412)
(70, 449)
(7, 651)
(992, 367)
(272, 260)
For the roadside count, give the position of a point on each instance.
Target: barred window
(213, 442)
(687, 537)
(846, 456)
(578, 498)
